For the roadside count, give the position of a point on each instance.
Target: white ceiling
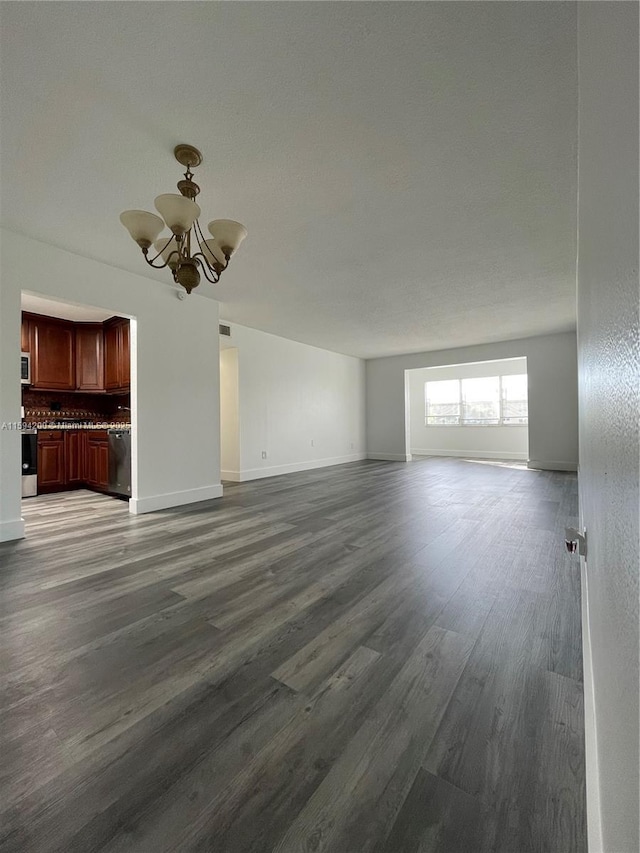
(407, 171)
(65, 310)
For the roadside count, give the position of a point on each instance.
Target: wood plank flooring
(372, 658)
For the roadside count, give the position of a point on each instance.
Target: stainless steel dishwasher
(120, 461)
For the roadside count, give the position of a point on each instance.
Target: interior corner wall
(483, 442)
(553, 396)
(11, 524)
(609, 367)
(175, 376)
(302, 406)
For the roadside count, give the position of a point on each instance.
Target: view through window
(482, 401)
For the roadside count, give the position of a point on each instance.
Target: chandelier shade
(169, 250)
(143, 226)
(177, 211)
(185, 251)
(228, 234)
(213, 253)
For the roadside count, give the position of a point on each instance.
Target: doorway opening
(229, 413)
(77, 417)
(477, 410)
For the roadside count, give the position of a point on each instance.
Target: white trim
(139, 506)
(390, 457)
(594, 815)
(289, 468)
(469, 425)
(10, 530)
(552, 466)
(471, 454)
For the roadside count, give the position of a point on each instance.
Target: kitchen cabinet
(89, 357)
(111, 350)
(51, 461)
(125, 355)
(96, 472)
(52, 348)
(74, 453)
(71, 459)
(25, 342)
(117, 355)
(66, 356)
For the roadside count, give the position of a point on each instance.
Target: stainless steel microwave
(25, 368)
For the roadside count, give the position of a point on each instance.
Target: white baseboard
(289, 468)
(10, 530)
(390, 457)
(139, 506)
(545, 465)
(472, 454)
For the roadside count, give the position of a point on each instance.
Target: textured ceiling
(407, 171)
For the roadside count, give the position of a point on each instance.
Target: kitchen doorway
(77, 418)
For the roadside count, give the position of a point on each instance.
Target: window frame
(461, 422)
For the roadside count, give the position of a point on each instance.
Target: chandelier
(185, 251)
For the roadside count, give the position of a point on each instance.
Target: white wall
(302, 406)
(553, 397)
(609, 368)
(484, 442)
(175, 377)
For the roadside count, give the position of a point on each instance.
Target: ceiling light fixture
(180, 214)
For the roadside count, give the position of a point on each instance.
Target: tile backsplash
(86, 407)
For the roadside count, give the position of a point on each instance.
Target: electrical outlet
(352, 445)
(311, 442)
(264, 454)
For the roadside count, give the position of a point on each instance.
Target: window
(482, 401)
(443, 402)
(514, 399)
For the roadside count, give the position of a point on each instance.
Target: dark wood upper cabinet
(52, 353)
(89, 357)
(116, 355)
(111, 361)
(25, 342)
(125, 355)
(67, 356)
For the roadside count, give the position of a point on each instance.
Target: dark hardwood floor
(375, 657)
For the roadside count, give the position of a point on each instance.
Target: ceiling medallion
(184, 251)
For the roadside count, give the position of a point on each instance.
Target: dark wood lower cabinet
(97, 461)
(52, 475)
(69, 459)
(74, 457)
